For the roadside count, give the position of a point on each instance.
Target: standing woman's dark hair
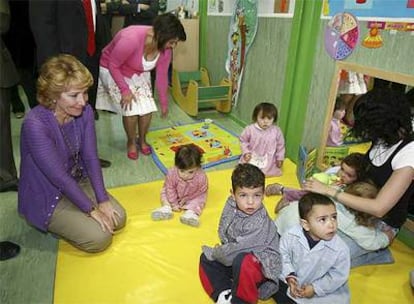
(167, 27)
(383, 116)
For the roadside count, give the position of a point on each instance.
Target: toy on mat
(192, 91)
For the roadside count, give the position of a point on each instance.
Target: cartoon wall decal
(341, 35)
(243, 28)
(373, 40)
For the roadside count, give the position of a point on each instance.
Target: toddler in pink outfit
(335, 137)
(262, 143)
(185, 188)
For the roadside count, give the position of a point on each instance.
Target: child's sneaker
(162, 213)
(224, 297)
(190, 218)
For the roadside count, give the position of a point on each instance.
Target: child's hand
(175, 208)
(208, 252)
(308, 291)
(295, 291)
(182, 202)
(247, 157)
(389, 232)
(279, 163)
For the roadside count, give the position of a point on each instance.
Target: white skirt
(355, 84)
(109, 96)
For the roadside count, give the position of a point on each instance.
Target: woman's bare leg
(349, 116)
(130, 126)
(143, 126)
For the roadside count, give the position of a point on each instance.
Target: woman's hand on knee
(104, 221)
(126, 101)
(107, 209)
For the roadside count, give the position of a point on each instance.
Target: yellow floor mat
(157, 262)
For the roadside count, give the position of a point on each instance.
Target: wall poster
(371, 9)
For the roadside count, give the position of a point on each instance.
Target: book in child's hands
(306, 163)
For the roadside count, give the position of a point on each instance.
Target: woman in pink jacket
(124, 77)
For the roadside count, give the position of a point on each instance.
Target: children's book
(306, 163)
(333, 156)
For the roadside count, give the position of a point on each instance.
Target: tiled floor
(29, 278)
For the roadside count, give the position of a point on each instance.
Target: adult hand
(315, 186)
(107, 209)
(247, 157)
(126, 101)
(103, 220)
(143, 7)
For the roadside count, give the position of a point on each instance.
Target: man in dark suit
(61, 26)
(8, 78)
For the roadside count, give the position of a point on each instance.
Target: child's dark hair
(365, 189)
(247, 176)
(167, 27)
(309, 200)
(268, 110)
(187, 157)
(359, 163)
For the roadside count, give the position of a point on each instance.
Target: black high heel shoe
(8, 250)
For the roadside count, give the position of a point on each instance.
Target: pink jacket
(123, 58)
(335, 136)
(190, 194)
(267, 146)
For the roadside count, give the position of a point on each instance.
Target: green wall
(265, 68)
(287, 65)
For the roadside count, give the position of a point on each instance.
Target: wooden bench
(192, 91)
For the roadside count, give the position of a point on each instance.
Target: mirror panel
(406, 79)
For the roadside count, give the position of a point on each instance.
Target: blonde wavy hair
(59, 74)
(365, 189)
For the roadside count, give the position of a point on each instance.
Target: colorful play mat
(217, 144)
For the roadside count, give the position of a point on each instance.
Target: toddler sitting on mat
(185, 188)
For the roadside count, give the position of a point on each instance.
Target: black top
(379, 175)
